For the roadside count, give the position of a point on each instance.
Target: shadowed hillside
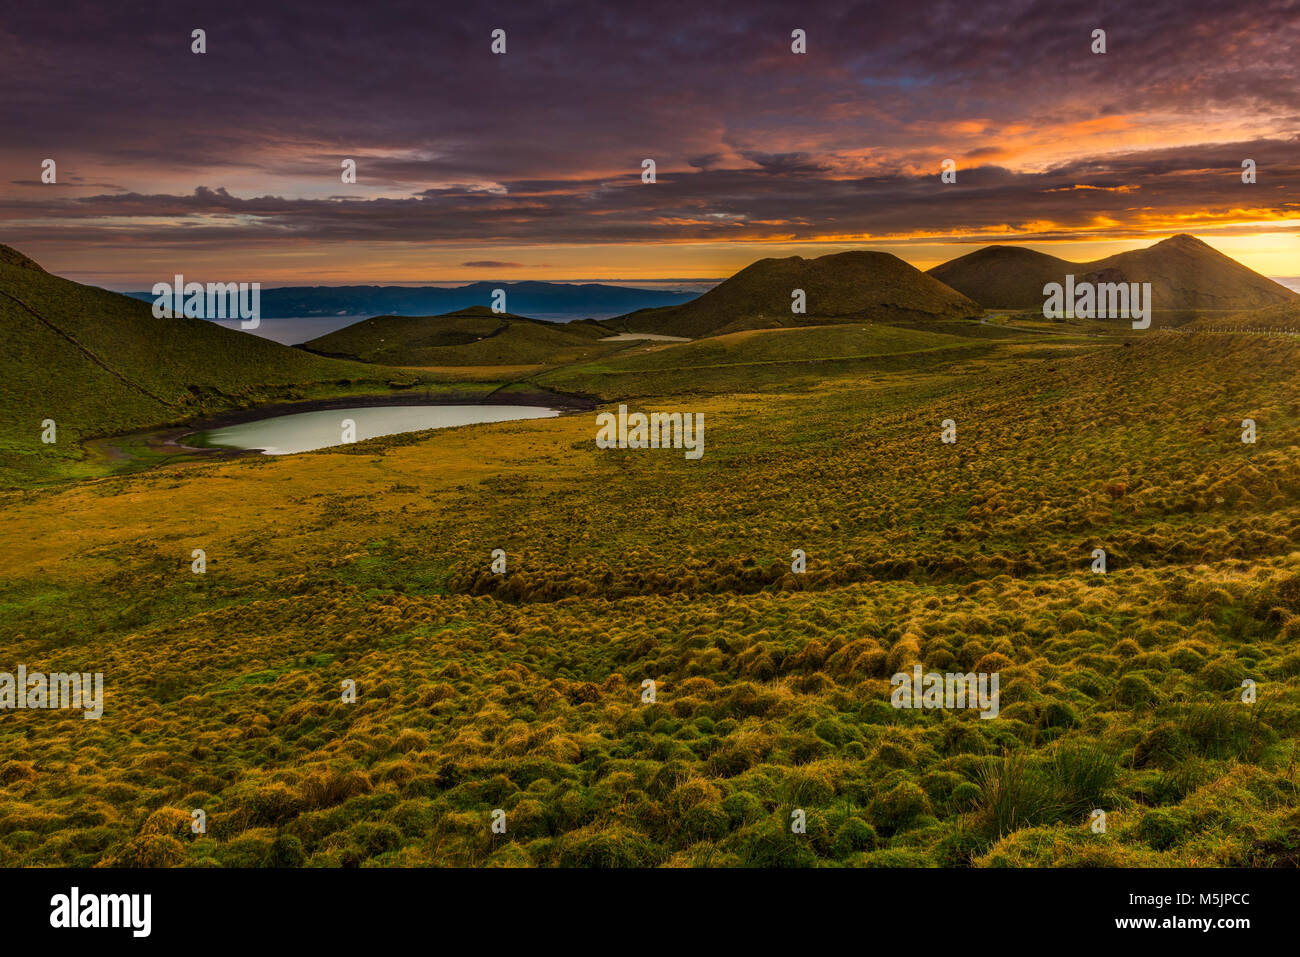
(1185, 274)
(468, 337)
(842, 287)
(1003, 277)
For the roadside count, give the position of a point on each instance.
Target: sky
(470, 165)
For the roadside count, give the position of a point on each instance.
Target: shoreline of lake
(160, 446)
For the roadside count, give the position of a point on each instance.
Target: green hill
(1186, 275)
(99, 363)
(467, 337)
(843, 287)
(1003, 277)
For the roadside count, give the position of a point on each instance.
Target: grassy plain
(523, 691)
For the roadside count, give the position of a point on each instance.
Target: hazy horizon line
(1292, 282)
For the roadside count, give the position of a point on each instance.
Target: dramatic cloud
(458, 151)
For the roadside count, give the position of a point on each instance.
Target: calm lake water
(304, 431)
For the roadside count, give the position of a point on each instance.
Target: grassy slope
(1003, 277)
(1186, 273)
(470, 337)
(842, 287)
(522, 692)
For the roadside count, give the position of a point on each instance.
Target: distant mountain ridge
(841, 287)
(1185, 274)
(534, 298)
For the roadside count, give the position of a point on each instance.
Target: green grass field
(523, 692)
